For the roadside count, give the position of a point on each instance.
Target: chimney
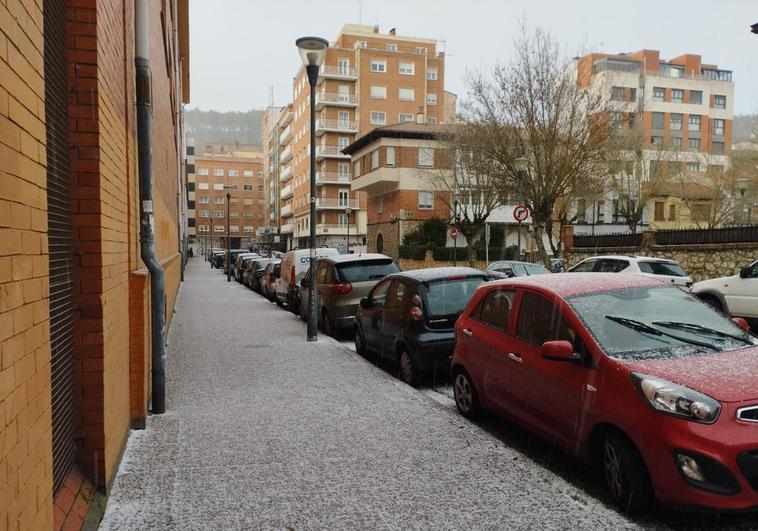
(376, 28)
(393, 31)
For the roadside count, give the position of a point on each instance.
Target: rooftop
(415, 130)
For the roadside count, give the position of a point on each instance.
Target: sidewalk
(266, 431)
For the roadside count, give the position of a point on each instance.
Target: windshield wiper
(692, 327)
(647, 329)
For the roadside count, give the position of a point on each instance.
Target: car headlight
(677, 400)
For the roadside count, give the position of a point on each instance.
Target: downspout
(147, 235)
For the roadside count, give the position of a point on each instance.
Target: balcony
(286, 119)
(285, 155)
(286, 211)
(337, 72)
(335, 203)
(332, 177)
(286, 135)
(335, 229)
(285, 174)
(286, 192)
(336, 126)
(335, 100)
(271, 216)
(329, 152)
(287, 228)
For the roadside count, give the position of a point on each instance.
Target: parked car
(342, 280)
(736, 295)
(244, 269)
(218, 259)
(660, 268)
(269, 278)
(409, 317)
(237, 264)
(294, 266)
(636, 376)
(255, 272)
(514, 268)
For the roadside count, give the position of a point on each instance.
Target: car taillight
(417, 313)
(340, 289)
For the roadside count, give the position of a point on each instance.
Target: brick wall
(25, 424)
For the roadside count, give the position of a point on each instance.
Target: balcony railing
(285, 174)
(336, 203)
(334, 152)
(286, 135)
(332, 177)
(287, 228)
(286, 155)
(335, 228)
(335, 99)
(336, 72)
(287, 118)
(286, 192)
(340, 126)
(286, 211)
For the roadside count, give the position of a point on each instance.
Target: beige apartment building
(248, 206)
(368, 80)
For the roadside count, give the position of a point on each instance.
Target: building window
(375, 159)
(715, 168)
(260, 187)
(218, 186)
(693, 166)
(378, 118)
(656, 141)
(392, 47)
(431, 98)
(719, 102)
(379, 93)
(617, 120)
(677, 96)
(219, 200)
(380, 205)
(234, 173)
(247, 173)
(632, 94)
(202, 171)
(581, 211)
(389, 156)
(343, 198)
(431, 73)
(717, 148)
(218, 213)
(600, 216)
(379, 243)
(407, 69)
(235, 187)
(203, 213)
(204, 200)
(696, 97)
(249, 228)
(342, 220)
(659, 211)
(218, 172)
(378, 65)
(425, 200)
(672, 212)
(234, 228)
(234, 215)
(247, 187)
(694, 144)
(343, 142)
(361, 44)
(343, 170)
(718, 126)
(406, 94)
(617, 93)
(431, 120)
(694, 122)
(426, 157)
(676, 122)
(405, 118)
(658, 120)
(202, 186)
(356, 168)
(676, 142)
(260, 174)
(659, 93)
(632, 120)
(420, 49)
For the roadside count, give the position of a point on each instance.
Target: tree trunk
(539, 230)
(472, 238)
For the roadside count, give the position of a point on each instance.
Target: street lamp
(521, 164)
(312, 52)
(211, 234)
(347, 213)
(742, 184)
(455, 240)
(228, 233)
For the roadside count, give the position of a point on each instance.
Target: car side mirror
(744, 272)
(364, 303)
(559, 351)
(742, 323)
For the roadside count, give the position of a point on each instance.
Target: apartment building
(368, 80)
(242, 172)
(75, 314)
(189, 170)
(270, 150)
(682, 112)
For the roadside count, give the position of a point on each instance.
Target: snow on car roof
(567, 284)
(436, 273)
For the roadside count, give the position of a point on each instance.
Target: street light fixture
(211, 235)
(521, 164)
(742, 184)
(312, 52)
(228, 233)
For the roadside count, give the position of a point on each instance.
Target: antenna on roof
(271, 95)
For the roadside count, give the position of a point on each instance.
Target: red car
(626, 372)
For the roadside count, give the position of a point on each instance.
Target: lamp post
(455, 240)
(312, 52)
(228, 234)
(211, 234)
(520, 164)
(347, 213)
(742, 184)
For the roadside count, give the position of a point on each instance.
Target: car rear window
(446, 297)
(364, 270)
(662, 268)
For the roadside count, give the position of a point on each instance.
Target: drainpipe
(147, 235)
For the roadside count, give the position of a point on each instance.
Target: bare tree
(534, 107)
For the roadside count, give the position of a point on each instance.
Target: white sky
(240, 47)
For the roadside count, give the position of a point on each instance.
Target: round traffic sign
(520, 213)
(454, 233)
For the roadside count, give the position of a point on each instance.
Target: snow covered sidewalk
(267, 431)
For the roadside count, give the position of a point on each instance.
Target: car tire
(327, 326)
(625, 474)
(278, 302)
(407, 368)
(713, 302)
(360, 343)
(466, 397)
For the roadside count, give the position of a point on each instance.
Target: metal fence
(620, 239)
(739, 234)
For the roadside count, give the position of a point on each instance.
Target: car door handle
(467, 331)
(516, 357)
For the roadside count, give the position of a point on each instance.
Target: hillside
(226, 127)
(744, 125)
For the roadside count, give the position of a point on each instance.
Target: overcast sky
(241, 47)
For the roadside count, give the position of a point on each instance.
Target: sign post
(454, 236)
(520, 214)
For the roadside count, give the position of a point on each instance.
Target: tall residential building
(248, 206)
(189, 168)
(270, 151)
(680, 109)
(368, 80)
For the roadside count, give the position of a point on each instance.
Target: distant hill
(223, 127)
(744, 125)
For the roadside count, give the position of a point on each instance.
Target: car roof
(513, 262)
(568, 284)
(437, 273)
(628, 257)
(342, 258)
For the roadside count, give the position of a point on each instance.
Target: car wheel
(360, 343)
(407, 369)
(625, 474)
(713, 302)
(278, 302)
(466, 398)
(326, 323)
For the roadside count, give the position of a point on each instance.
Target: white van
(294, 266)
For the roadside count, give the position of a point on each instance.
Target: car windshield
(364, 270)
(656, 322)
(662, 268)
(448, 296)
(535, 269)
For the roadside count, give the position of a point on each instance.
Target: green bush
(413, 252)
(432, 232)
